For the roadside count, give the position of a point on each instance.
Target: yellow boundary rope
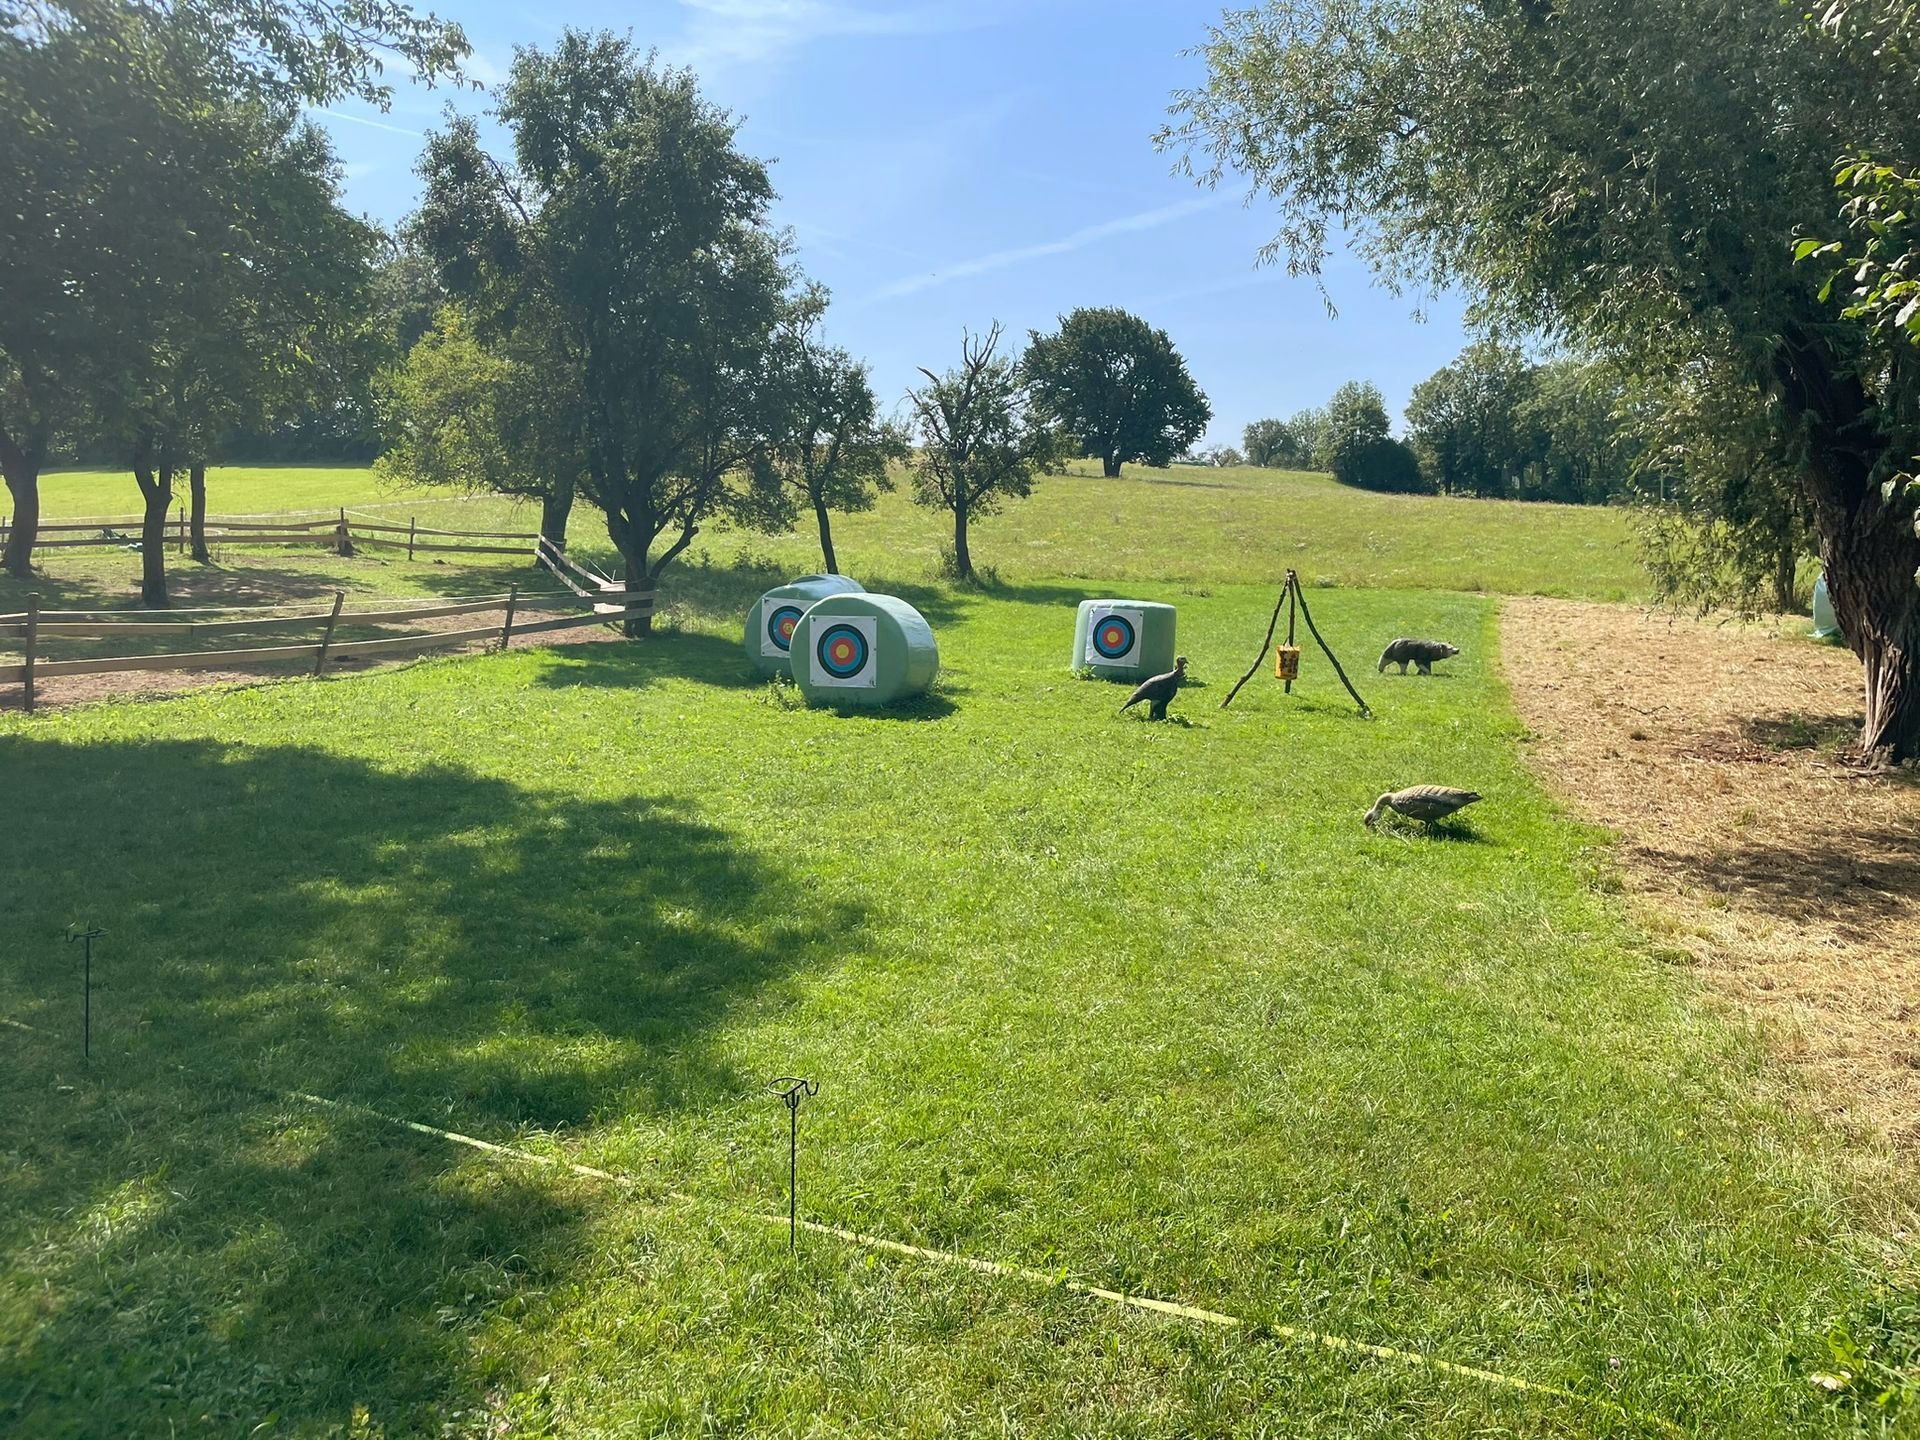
(1297, 1333)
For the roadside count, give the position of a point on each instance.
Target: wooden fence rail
(340, 532)
(31, 625)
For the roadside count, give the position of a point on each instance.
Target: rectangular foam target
(778, 616)
(1113, 637)
(842, 652)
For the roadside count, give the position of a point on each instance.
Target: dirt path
(1792, 881)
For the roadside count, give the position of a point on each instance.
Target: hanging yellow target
(1286, 662)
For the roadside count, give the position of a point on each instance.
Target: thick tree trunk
(832, 566)
(555, 507)
(1110, 465)
(1870, 564)
(962, 558)
(639, 627)
(1869, 547)
(23, 481)
(156, 488)
(197, 514)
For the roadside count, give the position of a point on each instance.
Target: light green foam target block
(863, 651)
(771, 618)
(1123, 639)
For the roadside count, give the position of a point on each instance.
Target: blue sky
(943, 166)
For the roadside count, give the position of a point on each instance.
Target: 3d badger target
(842, 652)
(780, 616)
(1113, 637)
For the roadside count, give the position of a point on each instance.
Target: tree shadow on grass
(634, 664)
(426, 942)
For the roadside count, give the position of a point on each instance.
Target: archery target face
(843, 655)
(1113, 637)
(777, 619)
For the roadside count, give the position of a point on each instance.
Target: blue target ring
(780, 622)
(1113, 637)
(841, 651)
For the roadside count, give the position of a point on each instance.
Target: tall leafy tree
(628, 244)
(1467, 422)
(982, 440)
(831, 447)
(1117, 385)
(1356, 444)
(485, 419)
(1587, 172)
(1274, 444)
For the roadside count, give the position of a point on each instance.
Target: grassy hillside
(1141, 1005)
(1201, 527)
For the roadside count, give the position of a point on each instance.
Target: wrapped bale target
(863, 651)
(1123, 639)
(771, 618)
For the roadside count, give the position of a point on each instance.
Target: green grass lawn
(1138, 1005)
(1183, 525)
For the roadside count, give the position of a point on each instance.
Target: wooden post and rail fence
(341, 533)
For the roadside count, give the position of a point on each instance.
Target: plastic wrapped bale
(1825, 625)
(863, 651)
(1123, 639)
(772, 617)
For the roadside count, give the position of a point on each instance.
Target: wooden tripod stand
(1293, 599)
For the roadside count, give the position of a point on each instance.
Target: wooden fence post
(413, 526)
(343, 537)
(33, 633)
(326, 639)
(182, 512)
(506, 630)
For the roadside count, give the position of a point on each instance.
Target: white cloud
(370, 124)
(1020, 255)
(480, 68)
(724, 33)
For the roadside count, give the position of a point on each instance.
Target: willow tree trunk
(156, 488)
(1786, 570)
(1870, 564)
(197, 513)
(832, 566)
(23, 481)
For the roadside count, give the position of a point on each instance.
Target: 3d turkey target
(1113, 637)
(841, 652)
(778, 617)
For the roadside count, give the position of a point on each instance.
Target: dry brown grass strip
(1790, 878)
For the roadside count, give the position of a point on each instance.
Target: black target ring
(1113, 637)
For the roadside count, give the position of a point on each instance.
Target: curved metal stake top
(88, 935)
(793, 1089)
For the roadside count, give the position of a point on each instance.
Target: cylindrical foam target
(1123, 639)
(771, 620)
(863, 650)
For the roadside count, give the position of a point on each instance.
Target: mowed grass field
(1137, 1005)
(1190, 525)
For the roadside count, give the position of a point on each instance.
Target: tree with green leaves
(627, 244)
(482, 419)
(1585, 174)
(831, 448)
(1272, 444)
(982, 440)
(1467, 422)
(1356, 444)
(1117, 385)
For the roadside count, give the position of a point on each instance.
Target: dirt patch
(53, 691)
(1790, 878)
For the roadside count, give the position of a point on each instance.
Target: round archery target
(843, 652)
(781, 617)
(1113, 638)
